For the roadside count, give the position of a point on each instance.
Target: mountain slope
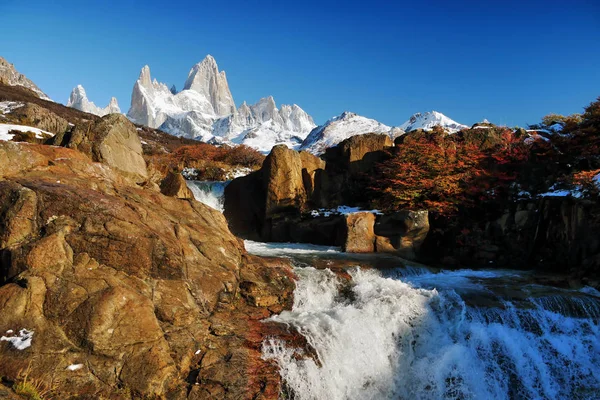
(428, 120)
(79, 100)
(10, 76)
(342, 127)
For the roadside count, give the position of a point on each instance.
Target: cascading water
(211, 193)
(414, 334)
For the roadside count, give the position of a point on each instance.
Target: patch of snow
(7, 107)
(340, 210)
(6, 128)
(197, 352)
(563, 193)
(20, 342)
(74, 367)
(238, 173)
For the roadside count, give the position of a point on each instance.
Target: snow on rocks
(340, 210)
(74, 367)
(20, 341)
(7, 107)
(5, 130)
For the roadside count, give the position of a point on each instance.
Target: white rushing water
(211, 193)
(450, 335)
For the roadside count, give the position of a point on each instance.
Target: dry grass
(32, 388)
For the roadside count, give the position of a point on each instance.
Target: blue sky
(508, 61)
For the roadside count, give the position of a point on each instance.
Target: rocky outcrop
(40, 117)
(112, 140)
(347, 167)
(282, 174)
(126, 293)
(174, 185)
(359, 233)
(402, 232)
(268, 204)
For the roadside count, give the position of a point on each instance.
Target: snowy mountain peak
(80, 101)
(10, 76)
(205, 110)
(205, 78)
(428, 120)
(342, 127)
(145, 77)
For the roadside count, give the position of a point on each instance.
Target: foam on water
(211, 193)
(382, 337)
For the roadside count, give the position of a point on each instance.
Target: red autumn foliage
(588, 181)
(207, 157)
(442, 173)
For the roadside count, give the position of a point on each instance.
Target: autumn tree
(431, 173)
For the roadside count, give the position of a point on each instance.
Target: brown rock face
(282, 174)
(174, 186)
(360, 234)
(403, 232)
(310, 165)
(34, 115)
(113, 140)
(147, 295)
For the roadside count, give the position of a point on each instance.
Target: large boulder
(282, 176)
(244, 206)
(174, 185)
(402, 232)
(347, 167)
(110, 290)
(359, 233)
(34, 115)
(310, 165)
(112, 140)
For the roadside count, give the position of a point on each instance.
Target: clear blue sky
(511, 62)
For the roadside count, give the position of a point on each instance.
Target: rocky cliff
(109, 288)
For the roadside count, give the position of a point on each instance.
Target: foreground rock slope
(125, 292)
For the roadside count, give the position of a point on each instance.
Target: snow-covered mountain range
(80, 101)
(342, 127)
(428, 120)
(205, 110)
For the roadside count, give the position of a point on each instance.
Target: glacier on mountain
(342, 127)
(428, 120)
(205, 110)
(79, 100)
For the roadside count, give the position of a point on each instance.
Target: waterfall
(450, 335)
(210, 193)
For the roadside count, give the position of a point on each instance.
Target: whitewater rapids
(414, 334)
